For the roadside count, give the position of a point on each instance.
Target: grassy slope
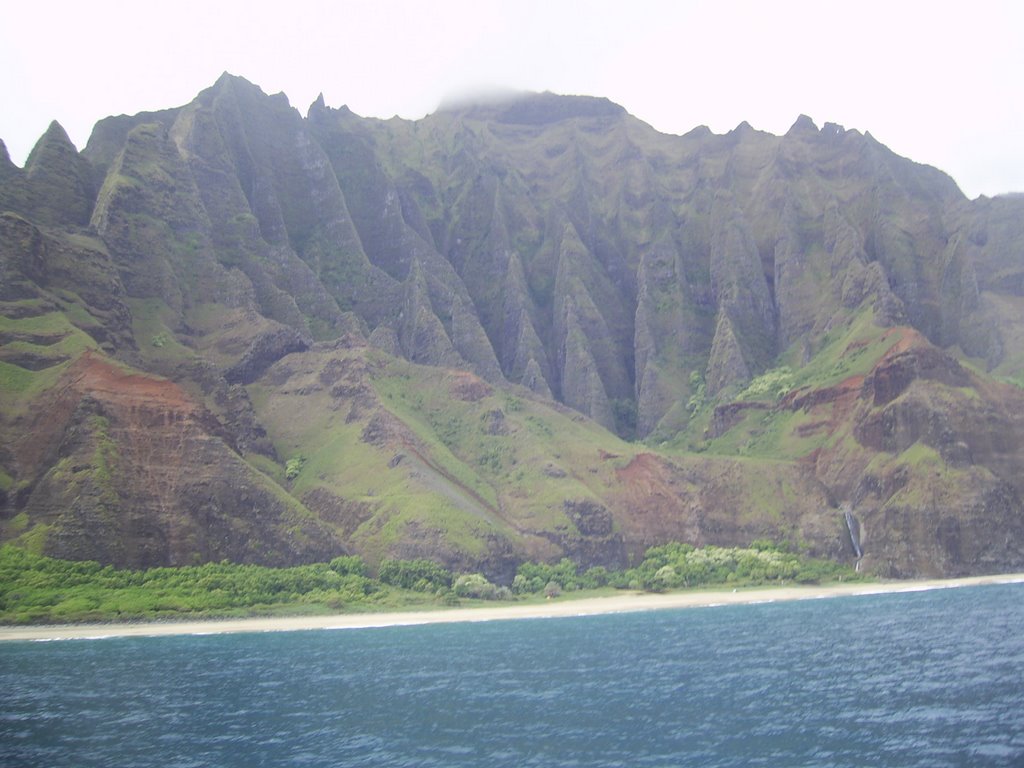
(442, 469)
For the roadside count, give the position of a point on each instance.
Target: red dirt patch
(644, 469)
(137, 401)
(652, 506)
(909, 339)
(93, 375)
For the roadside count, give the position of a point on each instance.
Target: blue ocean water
(915, 679)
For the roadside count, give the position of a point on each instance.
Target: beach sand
(561, 607)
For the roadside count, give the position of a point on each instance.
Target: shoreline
(560, 608)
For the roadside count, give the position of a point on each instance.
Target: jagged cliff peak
(804, 126)
(7, 166)
(54, 138)
(228, 80)
(239, 86)
(59, 182)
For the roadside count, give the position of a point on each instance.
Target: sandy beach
(561, 607)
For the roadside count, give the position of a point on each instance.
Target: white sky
(941, 83)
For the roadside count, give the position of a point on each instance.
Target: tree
(421, 574)
(474, 585)
(348, 565)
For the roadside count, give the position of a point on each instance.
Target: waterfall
(854, 528)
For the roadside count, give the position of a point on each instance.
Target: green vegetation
(699, 390)
(151, 321)
(294, 466)
(770, 385)
(58, 341)
(537, 577)
(678, 566)
(477, 586)
(37, 589)
(419, 575)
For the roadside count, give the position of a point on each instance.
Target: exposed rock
(541, 108)
(470, 341)
(7, 168)
(912, 359)
(345, 515)
(524, 359)
(264, 351)
(422, 335)
(595, 539)
(384, 430)
(533, 379)
(738, 283)
(22, 259)
(66, 272)
(726, 366)
(804, 127)
(495, 423)
(582, 387)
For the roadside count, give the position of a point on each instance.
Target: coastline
(560, 608)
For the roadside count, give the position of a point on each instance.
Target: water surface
(921, 679)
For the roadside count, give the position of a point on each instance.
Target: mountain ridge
(672, 289)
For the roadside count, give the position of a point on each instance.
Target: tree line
(37, 589)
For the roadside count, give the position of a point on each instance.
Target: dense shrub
(349, 565)
(34, 588)
(533, 577)
(676, 565)
(474, 585)
(421, 575)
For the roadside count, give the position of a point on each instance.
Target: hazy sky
(941, 83)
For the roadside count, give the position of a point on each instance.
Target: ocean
(932, 678)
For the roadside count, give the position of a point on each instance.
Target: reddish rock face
(128, 469)
(910, 359)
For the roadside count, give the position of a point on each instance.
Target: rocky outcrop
(595, 539)
(265, 350)
(524, 358)
(726, 365)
